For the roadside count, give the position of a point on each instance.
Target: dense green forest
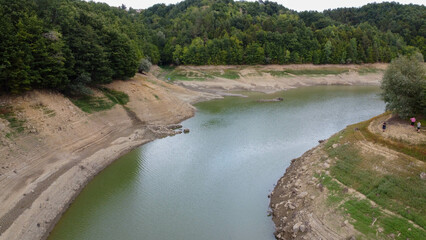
(70, 44)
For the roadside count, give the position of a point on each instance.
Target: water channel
(213, 182)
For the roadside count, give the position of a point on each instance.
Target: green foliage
(92, 104)
(116, 96)
(15, 124)
(71, 44)
(403, 86)
(46, 111)
(365, 214)
(233, 32)
(144, 66)
(405, 20)
(399, 191)
(229, 74)
(254, 54)
(89, 103)
(324, 71)
(278, 73)
(68, 45)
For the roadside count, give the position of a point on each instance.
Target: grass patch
(229, 74)
(336, 71)
(116, 96)
(367, 70)
(156, 97)
(278, 73)
(46, 111)
(402, 192)
(181, 75)
(364, 214)
(92, 104)
(168, 68)
(335, 195)
(390, 191)
(15, 124)
(254, 74)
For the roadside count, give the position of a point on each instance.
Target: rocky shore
(298, 202)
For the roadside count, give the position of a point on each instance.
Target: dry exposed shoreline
(43, 170)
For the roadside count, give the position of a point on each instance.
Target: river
(213, 183)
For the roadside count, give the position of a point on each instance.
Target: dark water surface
(212, 184)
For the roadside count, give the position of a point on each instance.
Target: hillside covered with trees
(70, 44)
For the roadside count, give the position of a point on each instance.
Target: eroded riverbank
(213, 182)
(47, 167)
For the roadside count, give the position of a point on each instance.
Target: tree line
(71, 44)
(227, 32)
(66, 45)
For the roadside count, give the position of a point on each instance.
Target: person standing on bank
(418, 126)
(413, 120)
(384, 126)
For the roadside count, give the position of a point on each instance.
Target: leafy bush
(116, 96)
(403, 86)
(145, 65)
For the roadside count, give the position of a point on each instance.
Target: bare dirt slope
(61, 148)
(272, 78)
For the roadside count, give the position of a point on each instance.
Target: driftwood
(271, 100)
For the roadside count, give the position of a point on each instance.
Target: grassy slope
(91, 104)
(396, 195)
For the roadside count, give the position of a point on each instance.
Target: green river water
(213, 183)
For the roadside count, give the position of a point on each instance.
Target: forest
(68, 45)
